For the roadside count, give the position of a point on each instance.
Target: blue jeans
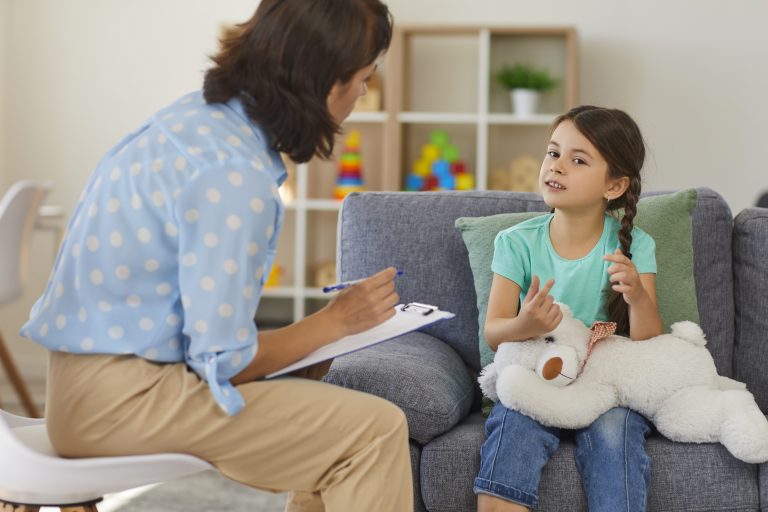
(610, 455)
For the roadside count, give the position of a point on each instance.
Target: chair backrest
(18, 211)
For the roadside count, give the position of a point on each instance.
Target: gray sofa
(431, 375)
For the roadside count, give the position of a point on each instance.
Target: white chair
(18, 211)
(32, 475)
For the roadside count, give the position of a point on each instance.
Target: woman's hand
(539, 314)
(353, 310)
(366, 304)
(625, 279)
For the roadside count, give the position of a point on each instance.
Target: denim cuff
(483, 486)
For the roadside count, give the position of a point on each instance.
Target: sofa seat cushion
(667, 218)
(684, 477)
(419, 373)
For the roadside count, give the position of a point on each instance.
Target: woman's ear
(616, 188)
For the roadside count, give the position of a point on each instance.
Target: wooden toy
(439, 167)
(521, 175)
(350, 177)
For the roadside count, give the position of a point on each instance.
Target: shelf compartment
(274, 312)
(321, 248)
(511, 142)
(444, 67)
(313, 305)
(322, 174)
(551, 49)
(285, 256)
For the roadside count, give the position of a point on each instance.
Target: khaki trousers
(335, 449)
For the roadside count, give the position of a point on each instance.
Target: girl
(604, 269)
(149, 310)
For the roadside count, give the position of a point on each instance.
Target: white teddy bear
(670, 379)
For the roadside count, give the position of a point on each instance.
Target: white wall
(691, 72)
(80, 74)
(5, 25)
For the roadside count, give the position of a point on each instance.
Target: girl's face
(342, 98)
(574, 176)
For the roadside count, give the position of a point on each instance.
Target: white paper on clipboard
(408, 317)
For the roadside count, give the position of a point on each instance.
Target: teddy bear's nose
(552, 368)
(549, 339)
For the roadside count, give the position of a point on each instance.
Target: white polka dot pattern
(166, 254)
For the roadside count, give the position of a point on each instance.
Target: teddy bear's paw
(487, 380)
(745, 429)
(515, 385)
(690, 332)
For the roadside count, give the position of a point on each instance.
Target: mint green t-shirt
(525, 250)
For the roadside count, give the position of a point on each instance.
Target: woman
(149, 310)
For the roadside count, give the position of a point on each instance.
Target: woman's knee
(386, 417)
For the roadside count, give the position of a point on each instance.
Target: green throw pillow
(667, 218)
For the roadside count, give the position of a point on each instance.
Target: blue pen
(346, 284)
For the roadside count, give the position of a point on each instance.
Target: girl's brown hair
(284, 61)
(618, 139)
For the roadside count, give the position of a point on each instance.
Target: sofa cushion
(667, 218)
(750, 272)
(684, 477)
(417, 372)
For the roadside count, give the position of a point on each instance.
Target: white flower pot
(524, 101)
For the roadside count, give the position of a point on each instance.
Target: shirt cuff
(228, 397)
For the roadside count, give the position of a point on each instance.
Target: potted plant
(525, 84)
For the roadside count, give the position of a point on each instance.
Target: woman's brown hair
(618, 139)
(284, 61)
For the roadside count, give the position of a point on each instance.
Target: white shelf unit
(435, 77)
(441, 78)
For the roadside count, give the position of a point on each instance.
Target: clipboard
(408, 317)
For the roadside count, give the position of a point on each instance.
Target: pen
(347, 284)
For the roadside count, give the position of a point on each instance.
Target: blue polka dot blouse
(166, 253)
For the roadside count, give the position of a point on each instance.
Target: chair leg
(17, 380)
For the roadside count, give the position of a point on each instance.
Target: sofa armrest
(419, 373)
(750, 271)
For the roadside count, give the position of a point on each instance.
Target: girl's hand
(539, 313)
(364, 305)
(623, 274)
